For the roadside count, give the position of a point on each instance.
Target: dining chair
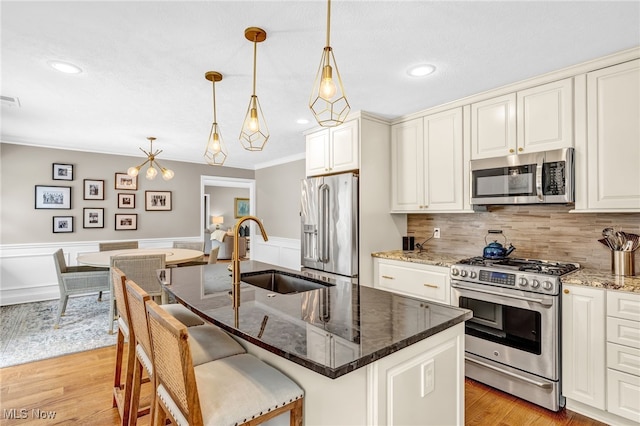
(191, 245)
(213, 255)
(122, 389)
(77, 280)
(236, 390)
(118, 245)
(208, 342)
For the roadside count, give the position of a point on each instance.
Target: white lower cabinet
(413, 279)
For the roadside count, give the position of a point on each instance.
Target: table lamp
(217, 220)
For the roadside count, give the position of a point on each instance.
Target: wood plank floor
(77, 388)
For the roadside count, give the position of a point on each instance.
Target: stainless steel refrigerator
(329, 218)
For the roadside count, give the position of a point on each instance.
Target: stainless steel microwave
(536, 178)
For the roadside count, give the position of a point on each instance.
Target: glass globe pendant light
(216, 152)
(254, 133)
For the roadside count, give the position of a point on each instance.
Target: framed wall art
(126, 201)
(62, 224)
(93, 218)
(124, 181)
(62, 171)
(126, 222)
(93, 189)
(241, 207)
(157, 200)
(53, 197)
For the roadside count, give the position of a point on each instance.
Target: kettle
(495, 250)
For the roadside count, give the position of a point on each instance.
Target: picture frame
(126, 201)
(126, 182)
(126, 222)
(62, 224)
(93, 189)
(53, 197)
(62, 171)
(93, 217)
(157, 200)
(240, 207)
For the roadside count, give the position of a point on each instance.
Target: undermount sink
(282, 282)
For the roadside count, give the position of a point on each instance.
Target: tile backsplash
(538, 232)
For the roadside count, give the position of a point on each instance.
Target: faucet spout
(235, 258)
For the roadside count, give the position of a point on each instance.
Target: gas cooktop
(544, 267)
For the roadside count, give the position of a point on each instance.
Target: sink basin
(282, 282)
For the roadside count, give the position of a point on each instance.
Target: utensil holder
(622, 263)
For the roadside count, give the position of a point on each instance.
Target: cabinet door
(407, 166)
(545, 117)
(583, 345)
(343, 147)
(613, 137)
(493, 127)
(443, 161)
(317, 153)
(623, 392)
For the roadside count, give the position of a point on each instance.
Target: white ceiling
(143, 64)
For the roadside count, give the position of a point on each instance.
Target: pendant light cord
(255, 49)
(328, 21)
(215, 120)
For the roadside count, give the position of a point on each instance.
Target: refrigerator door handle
(324, 223)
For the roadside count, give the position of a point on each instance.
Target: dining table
(174, 256)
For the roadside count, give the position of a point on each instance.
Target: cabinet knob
(566, 291)
(520, 149)
(511, 151)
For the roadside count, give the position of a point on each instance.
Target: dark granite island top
(332, 331)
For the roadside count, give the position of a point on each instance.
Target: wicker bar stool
(208, 343)
(237, 390)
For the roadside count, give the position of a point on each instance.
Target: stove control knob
(454, 271)
(472, 274)
(463, 273)
(535, 284)
(523, 282)
(547, 285)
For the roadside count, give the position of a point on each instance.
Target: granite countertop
(332, 331)
(425, 257)
(603, 279)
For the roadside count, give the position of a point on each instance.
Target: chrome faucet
(235, 258)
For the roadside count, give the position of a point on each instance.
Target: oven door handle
(508, 373)
(543, 302)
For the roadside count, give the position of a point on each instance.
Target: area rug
(27, 333)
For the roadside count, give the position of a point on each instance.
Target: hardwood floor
(77, 388)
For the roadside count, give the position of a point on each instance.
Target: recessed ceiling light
(302, 121)
(65, 67)
(421, 70)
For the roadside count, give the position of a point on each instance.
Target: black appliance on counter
(512, 343)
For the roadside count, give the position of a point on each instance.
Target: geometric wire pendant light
(328, 102)
(254, 133)
(151, 158)
(216, 152)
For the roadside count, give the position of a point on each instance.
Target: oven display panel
(498, 277)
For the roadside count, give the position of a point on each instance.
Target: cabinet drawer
(414, 282)
(623, 332)
(623, 392)
(623, 358)
(623, 305)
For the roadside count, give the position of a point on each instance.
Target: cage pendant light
(328, 101)
(254, 133)
(216, 152)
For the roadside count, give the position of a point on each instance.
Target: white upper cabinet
(612, 162)
(333, 150)
(427, 163)
(531, 120)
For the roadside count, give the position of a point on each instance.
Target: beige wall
(278, 198)
(539, 232)
(222, 202)
(23, 167)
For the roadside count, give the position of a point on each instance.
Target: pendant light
(216, 152)
(254, 133)
(328, 101)
(151, 158)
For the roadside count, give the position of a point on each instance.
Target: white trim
(283, 160)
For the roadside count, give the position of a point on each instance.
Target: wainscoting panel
(283, 252)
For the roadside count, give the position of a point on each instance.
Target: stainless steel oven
(513, 340)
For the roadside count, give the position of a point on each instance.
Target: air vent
(10, 101)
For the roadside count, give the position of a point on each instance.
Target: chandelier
(328, 101)
(151, 158)
(254, 133)
(216, 152)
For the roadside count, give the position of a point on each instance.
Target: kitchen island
(363, 356)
